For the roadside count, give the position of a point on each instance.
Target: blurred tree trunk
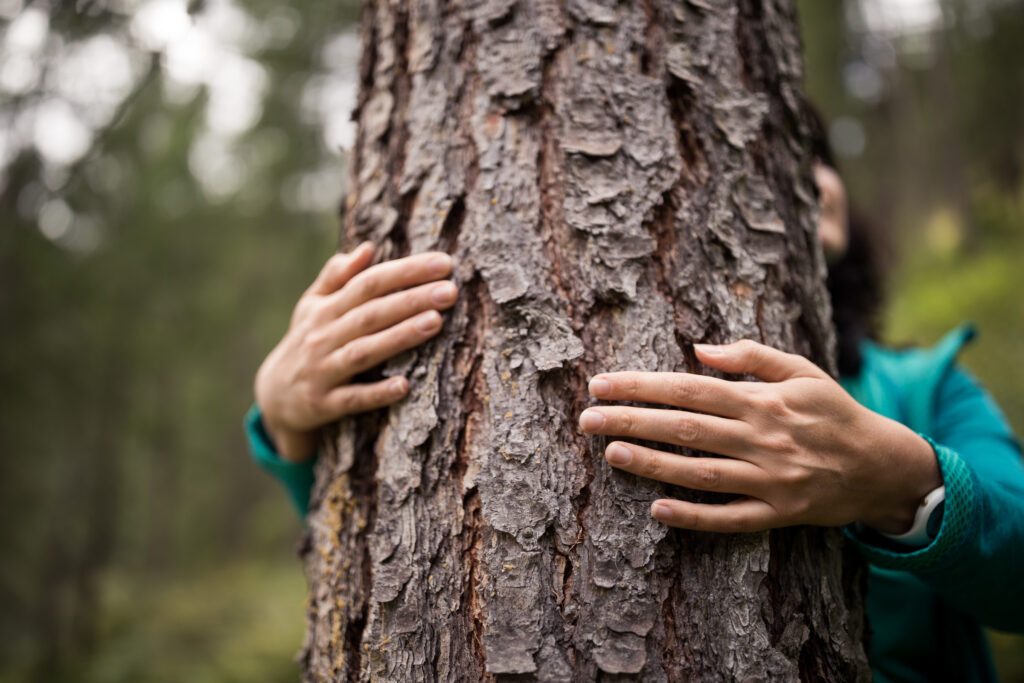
(616, 181)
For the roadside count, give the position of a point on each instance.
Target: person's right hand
(351, 319)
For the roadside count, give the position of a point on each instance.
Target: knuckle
(708, 477)
(778, 442)
(343, 403)
(798, 508)
(683, 390)
(310, 310)
(353, 355)
(627, 423)
(753, 351)
(748, 345)
(309, 397)
(300, 328)
(336, 264)
(688, 429)
(795, 476)
(318, 310)
(368, 319)
(652, 467)
(773, 405)
(315, 339)
(368, 283)
(802, 364)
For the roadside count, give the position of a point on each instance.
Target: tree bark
(616, 181)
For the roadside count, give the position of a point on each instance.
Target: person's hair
(856, 279)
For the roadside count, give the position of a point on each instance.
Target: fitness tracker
(927, 521)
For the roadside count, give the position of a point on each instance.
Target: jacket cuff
(959, 519)
(297, 477)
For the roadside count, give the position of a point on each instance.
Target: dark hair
(856, 287)
(856, 280)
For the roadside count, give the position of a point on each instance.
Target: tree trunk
(616, 181)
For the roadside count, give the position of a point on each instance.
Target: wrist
(291, 445)
(910, 471)
(927, 521)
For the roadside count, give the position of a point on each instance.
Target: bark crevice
(616, 181)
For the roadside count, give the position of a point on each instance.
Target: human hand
(800, 450)
(351, 318)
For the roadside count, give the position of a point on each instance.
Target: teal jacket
(927, 607)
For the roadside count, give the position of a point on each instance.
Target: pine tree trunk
(616, 181)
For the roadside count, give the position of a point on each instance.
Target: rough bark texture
(616, 180)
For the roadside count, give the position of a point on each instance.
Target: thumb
(747, 357)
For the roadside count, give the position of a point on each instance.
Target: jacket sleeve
(977, 558)
(296, 477)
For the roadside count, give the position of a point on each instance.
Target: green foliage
(237, 622)
(231, 623)
(141, 542)
(937, 289)
(940, 285)
(941, 176)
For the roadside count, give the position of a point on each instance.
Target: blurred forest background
(170, 180)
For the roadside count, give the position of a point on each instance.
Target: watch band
(923, 530)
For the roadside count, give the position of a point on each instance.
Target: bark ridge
(616, 180)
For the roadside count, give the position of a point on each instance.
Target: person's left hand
(800, 449)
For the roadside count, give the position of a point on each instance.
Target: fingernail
(429, 321)
(617, 454)
(397, 386)
(600, 387)
(591, 420)
(660, 511)
(440, 264)
(443, 294)
(709, 350)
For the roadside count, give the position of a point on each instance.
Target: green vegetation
(938, 287)
(229, 624)
(140, 287)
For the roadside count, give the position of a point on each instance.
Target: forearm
(912, 472)
(974, 562)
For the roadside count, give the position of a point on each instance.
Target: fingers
(692, 430)
(340, 268)
(359, 398)
(373, 349)
(738, 516)
(681, 389)
(385, 278)
(705, 474)
(381, 313)
(747, 357)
